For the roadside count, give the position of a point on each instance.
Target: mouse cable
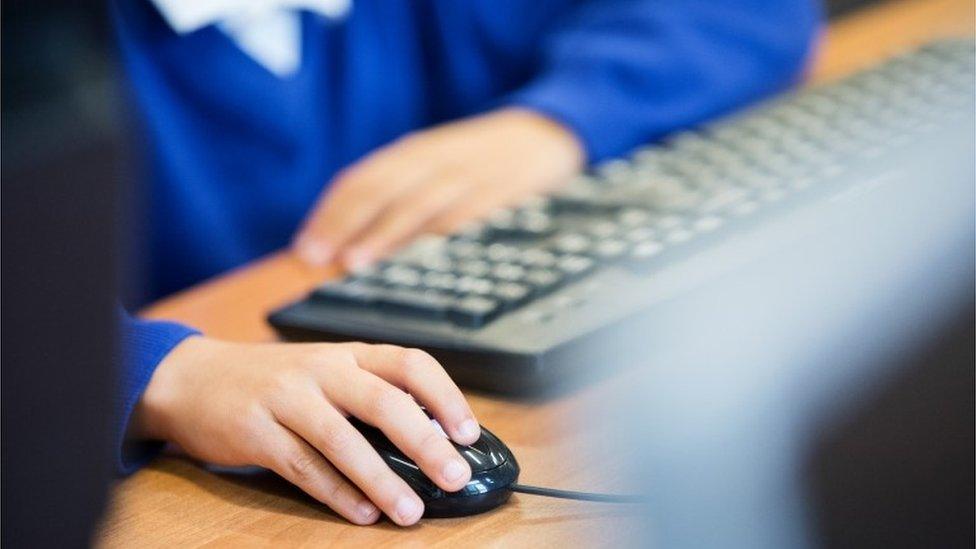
(570, 494)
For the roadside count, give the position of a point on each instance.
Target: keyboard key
(445, 282)
(476, 286)
(708, 223)
(438, 263)
(536, 316)
(501, 252)
(358, 293)
(603, 229)
(398, 275)
(502, 221)
(678, 236)
(634, 217)
(473, 312)
(761, 181)
(644, 252)
(578, 192)
(610, 249)
(508, 272)
(424, 246)
(674, 193)
(535, 224)
(640, 234)
(725, 199)
(669, 222)
(537, 257)
(567, 301)
(471, 232)
(417, 302)
(745, 208)
(572, 243)
(543, 280)
(575, 265)
(511, 295)
(476, 268)
(367, 271)
(466, 249)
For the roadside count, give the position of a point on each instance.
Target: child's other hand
(435, 181)
(284, 407)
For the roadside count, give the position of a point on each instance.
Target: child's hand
(436, 180)
(284, 407)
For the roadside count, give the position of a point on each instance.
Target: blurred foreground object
(59, 260)
(774, 410)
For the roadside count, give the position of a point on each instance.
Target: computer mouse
(493, 471)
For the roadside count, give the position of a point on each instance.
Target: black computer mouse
(493, 471)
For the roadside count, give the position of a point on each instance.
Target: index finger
(399, 417)
(356, 197)
(418, 373)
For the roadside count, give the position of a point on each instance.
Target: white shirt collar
(269, 31)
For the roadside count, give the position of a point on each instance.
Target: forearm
(625, 73)
(143, 346)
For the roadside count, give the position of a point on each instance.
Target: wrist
(154, 412)
(558, 140)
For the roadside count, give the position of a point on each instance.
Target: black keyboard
(537, 292)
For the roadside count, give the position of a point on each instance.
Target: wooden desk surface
(177, 503)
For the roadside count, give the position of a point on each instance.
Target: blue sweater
(236, 156)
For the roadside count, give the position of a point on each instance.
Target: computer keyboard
(536, 292)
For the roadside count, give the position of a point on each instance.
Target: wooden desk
(177, 503)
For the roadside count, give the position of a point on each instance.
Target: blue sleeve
(143, 345)
(623, 73)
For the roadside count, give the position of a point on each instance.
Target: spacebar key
(420, 303)
(346, 293)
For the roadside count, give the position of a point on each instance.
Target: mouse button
(480, 456)
(477, 459)
(484, 454)
(477, 486)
